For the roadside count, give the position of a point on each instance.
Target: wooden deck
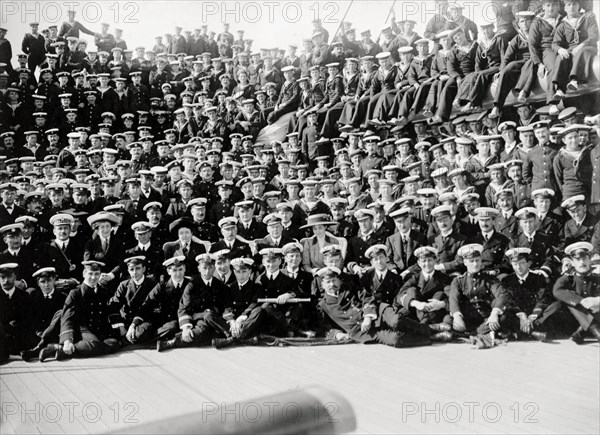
(518, 388)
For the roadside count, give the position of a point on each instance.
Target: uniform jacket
(172, 249)
(571, 289)
(483, 292)
(86, 308)
(415, 288)
(579, 233)
(242, 300)
(128, 299)
(43, 309)
(198, 297)
(448, 249)
(531, 296)
(161, 304)
(402, 257)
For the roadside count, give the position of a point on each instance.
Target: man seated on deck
(580, 291)
(530, 299)
(269, 317)
(478, 301)
(156, 318)
(46, 308)
(384, 286)
(348, 313)
(85, 329)
(200, 307)
(423, 293)
(130, 295)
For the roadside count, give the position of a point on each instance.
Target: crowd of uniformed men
(139, 208)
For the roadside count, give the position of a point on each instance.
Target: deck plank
(383, 385)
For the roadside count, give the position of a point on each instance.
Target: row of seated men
(483, 290)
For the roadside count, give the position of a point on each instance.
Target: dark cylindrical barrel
(308, 411)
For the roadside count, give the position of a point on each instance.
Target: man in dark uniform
(15, 252)
(46, 308)
(62, 253)
(580, 291)
(156, 318)
(203, 229)
(34, 45)
(541, 245)
(423, 293)
(356, 260)
(200, 309)
(448, 242)
(268, 317)
(147, 247)
(530, 298)
(384, 286)
(580, 228)
(129, 297)
(478, 301)
(15, 318)
(231, 241)
(249, 227)
(275, 237)
(85, 329)
(548, 222)
(494, 243)
(9, 211)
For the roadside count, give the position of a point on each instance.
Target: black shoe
(539, 336)
(440, 327)
(49, 352)
(442, 337)
(594, 331)
(578, 336)
(162, 345)
(31, 354)
(220, 343)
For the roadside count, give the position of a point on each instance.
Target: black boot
(162, 345)
(578, 335)
(220, 343)
(31, 354)
(594, 331)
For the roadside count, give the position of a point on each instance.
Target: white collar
(381, 274)
(144, 247)
(176, 283)
(272, 276)
(207, 283)
(10, 292)
(427, 276)
(138, 282)
(242, 284)
(364, 236)
(48, 294)
(488, 234)
(523, 278)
